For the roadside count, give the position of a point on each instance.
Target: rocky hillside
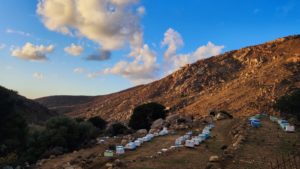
(32, 111)
(242, 82)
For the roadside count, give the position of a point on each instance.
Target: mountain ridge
(242, 81)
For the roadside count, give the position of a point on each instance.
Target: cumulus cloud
(32, 52)
(79, 70)
(12, 31)
(110, 23)
(74, 50)
(174, 61)
(173, 40)
(101, 56)
(38, 76)
(142, 69)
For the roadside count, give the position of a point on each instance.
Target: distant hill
(63, 104)
(32, 111)
(243, 82)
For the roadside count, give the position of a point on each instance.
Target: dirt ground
(262, 145)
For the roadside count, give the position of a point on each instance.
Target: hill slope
(32, 111)
(243, 82)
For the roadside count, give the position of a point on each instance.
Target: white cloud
(74, 50)
(174, 61)
(32, 52)
(12, 31)
(110, 23)
(79, 70)
(173, 40)
(142, 69)
(2, 46)
(38, 76)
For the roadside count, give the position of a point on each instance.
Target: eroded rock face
(157, 124)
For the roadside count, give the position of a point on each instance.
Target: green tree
(117, 129)
(13, 127)
(143, 115)
(289, 104)
(98, 122)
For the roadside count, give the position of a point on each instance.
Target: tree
(98, 122)
(289, 104)
(143, 115)
(13, 126)
(117, 129)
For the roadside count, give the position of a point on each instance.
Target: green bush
(143, 115)
(13, 127)
(117, 129)
(289, 104)
(62, 132)
(98, 122)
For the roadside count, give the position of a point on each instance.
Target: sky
(96, 47)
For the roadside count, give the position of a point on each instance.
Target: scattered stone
(119, 163)
(108, 165)
(214, 159)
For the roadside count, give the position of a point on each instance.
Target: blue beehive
(255, 123)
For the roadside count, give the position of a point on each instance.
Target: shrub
(145, 114)
(117, 129)
(79, 119)
(62, 132)
(13, 127)
(289, 104)
(98, 122)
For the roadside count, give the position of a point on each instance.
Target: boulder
(172, 118)
(141, 132)
(108, 165)
(152, 131)
(220, 116)
(214, 159)
(124, 141)
(157, 124)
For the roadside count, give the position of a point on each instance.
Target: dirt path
(184, 157)
(263, 145)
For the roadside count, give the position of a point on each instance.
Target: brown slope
(242, 81)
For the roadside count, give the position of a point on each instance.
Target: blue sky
(170, 35)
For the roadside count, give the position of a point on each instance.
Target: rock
(119, 163)
(172, 118)
(157, 124)
(124, 141)
(214, 159)
(142, 132)
(152, 131)
(220, 116)
(109, 165)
